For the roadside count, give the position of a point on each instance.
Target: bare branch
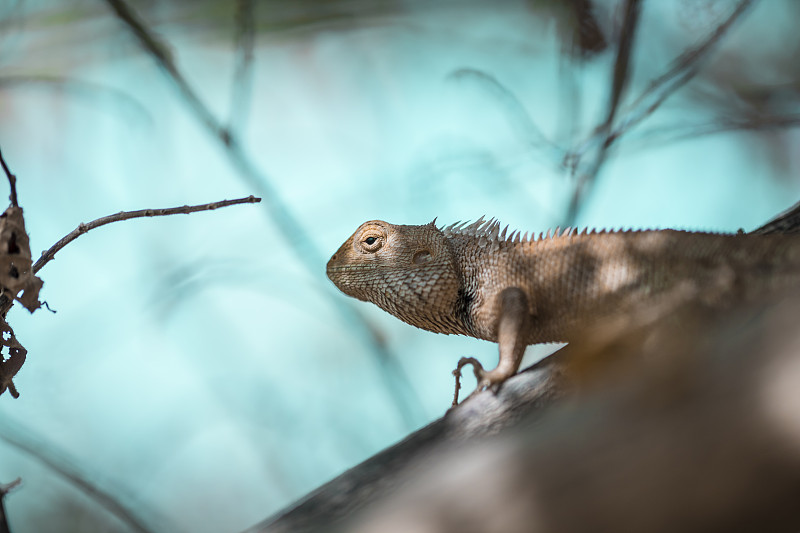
(662, 135)
(786, 222)
(5, 488)
(618, 85)
(243, 74)
(528, 394)
(160, 51)
(12, 181)
(96, 93)
(289, 225)
(49, 255)
(683, 69)
(518, 116)
(59, 462)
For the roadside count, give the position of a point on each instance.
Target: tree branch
(241, 91)
(487, 413)
(5, 488)
(619, 83)
(285, 221)
(675, 438)
(49, 255)
(103, 492)
(12, 181)
(683, 69)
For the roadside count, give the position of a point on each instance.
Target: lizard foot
(480, 375)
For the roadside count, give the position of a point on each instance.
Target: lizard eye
(371, 242)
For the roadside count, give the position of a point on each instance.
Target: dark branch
(243, 73)
(49, 255)
(525, 395)
(683, 69)
(674, 438)
(289, 225)
(685, 66)
(662, 135)
(786, 222)
(160, 51)
(49, 456)
(618, 85)
(5, 488)
(12, 181)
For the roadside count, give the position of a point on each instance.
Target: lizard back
(447, 280)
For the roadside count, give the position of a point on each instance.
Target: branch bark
(687, 434)
(522, 396)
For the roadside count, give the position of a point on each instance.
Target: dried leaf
(16, 268)
(16, 357)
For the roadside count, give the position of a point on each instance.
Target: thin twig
(12, 181)
(683, 69)
(96, 93)
(48, 455)
(49, 255)
(618, 85)
(687, 64)
(243, 73)
(5, 488)
(289, 225)
(518, 116)
(161, 52)
(660, 136)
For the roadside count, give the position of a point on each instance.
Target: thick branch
(524, 395)
(675, 440)
(677, 418)
(49, 255)
(786, 222)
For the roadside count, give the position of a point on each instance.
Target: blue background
(201, 369)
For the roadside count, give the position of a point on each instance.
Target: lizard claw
(480, 375)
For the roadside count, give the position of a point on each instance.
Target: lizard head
(408, 271)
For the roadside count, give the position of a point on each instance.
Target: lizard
(516, 289)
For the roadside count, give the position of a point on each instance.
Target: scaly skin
(516, 291)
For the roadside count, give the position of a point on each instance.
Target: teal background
(201, 369)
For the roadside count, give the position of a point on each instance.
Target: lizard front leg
(512, 329)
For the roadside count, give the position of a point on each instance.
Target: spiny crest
(490, 231)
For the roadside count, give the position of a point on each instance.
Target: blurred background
(201, 372)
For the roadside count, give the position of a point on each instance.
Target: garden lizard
(518, 290)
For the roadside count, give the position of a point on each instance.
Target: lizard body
(479, 281)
